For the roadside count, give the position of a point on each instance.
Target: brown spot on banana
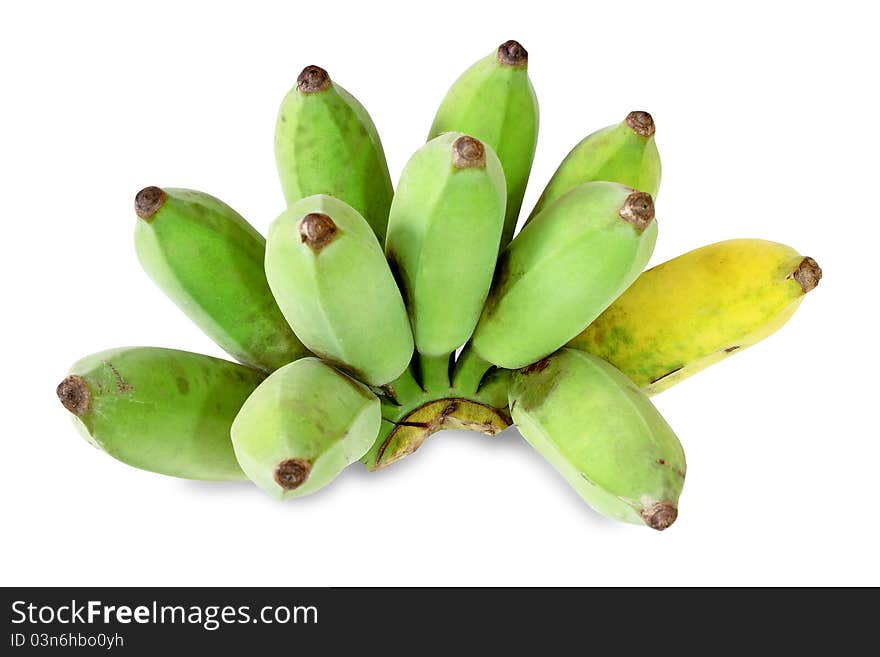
(536, 367)
(638, 210)
(669, 373)
(808, 274)
(292, 473)
(312, 80)
(468, 153)
(511, 53)
(317, 230)
(121, 384)
(641, 123)
(148, 201)
(659, 516)
(74, 394)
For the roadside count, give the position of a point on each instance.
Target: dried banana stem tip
(641, 123)
(148, 201)
(808, 274)
(468, 153)
(317, 230)
(638, 209)
(292, 473)
(312, 80)
(74, 394)
(511, 53)
(659, 516)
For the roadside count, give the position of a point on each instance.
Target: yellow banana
(694, 310)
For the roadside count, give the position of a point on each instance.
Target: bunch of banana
(370, 319)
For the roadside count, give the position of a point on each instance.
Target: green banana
(625, 153)
(562, 270)
(699, 308)
(443, 235)
(209, 261)
(161, 410)
(326, 143)
(494, 101)
(302, 426)
(602, 434)
(333, 285)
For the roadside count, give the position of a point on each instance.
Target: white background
(767, 122)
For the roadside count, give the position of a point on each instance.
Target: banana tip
(74, 394)
(511, 53)
(292, 473)
(317, 230)
(808, 274)
(641, 123)
(148, 201)
(638, 210)
(313, 79)
(468, 153)
(659, 516)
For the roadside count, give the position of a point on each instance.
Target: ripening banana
(562, 270)
(302, 426)
(326, 143)
(161, 410)
(209, 261)
(494, 102)
(625, 153)
(443, 235)
(602, 434)
(694, 310)
(333, 285)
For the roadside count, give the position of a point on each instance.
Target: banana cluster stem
(412, 412)
(404, 390)
(469, 372)
(435, 373)
(404, 433)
